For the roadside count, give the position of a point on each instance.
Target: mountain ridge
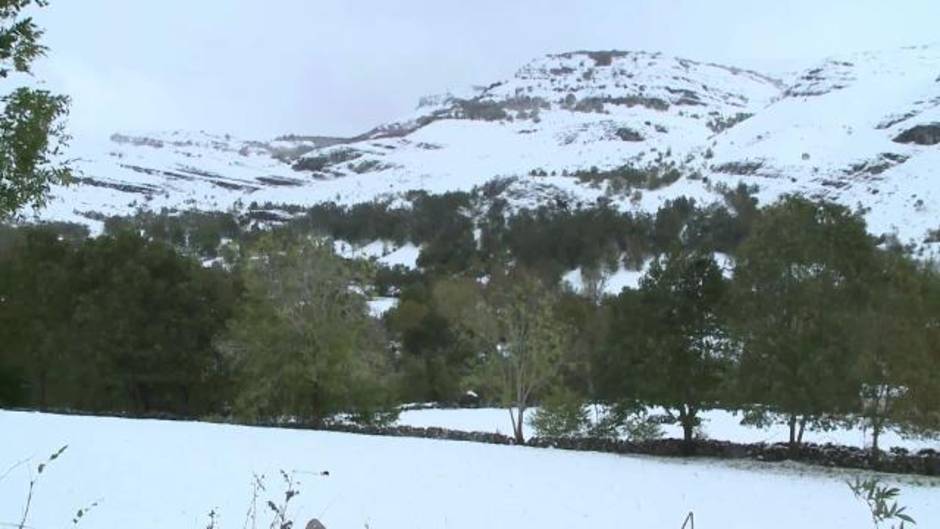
(563, 126)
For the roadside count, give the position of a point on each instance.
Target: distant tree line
(209, 314)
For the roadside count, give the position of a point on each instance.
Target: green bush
(381, 417)
(626, 420)
(562, 414)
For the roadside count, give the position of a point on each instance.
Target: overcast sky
(261, 68)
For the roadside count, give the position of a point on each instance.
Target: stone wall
(423, 433)
(923, 462)
(899, 461)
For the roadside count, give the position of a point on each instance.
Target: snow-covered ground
(380, 305)
(613, 284)
(717, 424)
(154, 474)
(383, 252)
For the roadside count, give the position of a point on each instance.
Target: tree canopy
(32, 131)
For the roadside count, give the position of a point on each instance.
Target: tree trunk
(797, 424)
(688, 432)
(517, 427)
(876, 428)
(791, 422)
(687, 420)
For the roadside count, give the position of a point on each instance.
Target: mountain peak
(585, 126)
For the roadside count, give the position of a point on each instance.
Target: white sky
(259, 68)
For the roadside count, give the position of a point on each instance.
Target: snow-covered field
(155, 474)
(716, 424)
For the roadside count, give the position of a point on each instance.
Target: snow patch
(384, 252)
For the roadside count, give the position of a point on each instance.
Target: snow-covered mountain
(861, 130)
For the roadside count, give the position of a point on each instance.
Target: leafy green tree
(37, 297)
(891, 337)
(588, 321)
(193, 233)
(668, 340)
(32, 133)
(143, 327)
(434, 363)
(921, 406)
(798, 277)
(742, 211)
(670, 221)
(513, 324)
(117, 323)
(302, 342)
(446, 229)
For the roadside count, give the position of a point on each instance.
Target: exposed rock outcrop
(928, 134)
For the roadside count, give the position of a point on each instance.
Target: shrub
(628, 134)
(933, 236)
(590, 105)
(562, 414)
(720, 124)
(628, 177)
(312, 163)
(322, 161)
(627, 420)
(609, 424)
(604, 58)
(482, 110)
(381, 417)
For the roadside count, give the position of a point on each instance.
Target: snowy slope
(562, 112)
(833, 135)
(153, 474)
(828, 132)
